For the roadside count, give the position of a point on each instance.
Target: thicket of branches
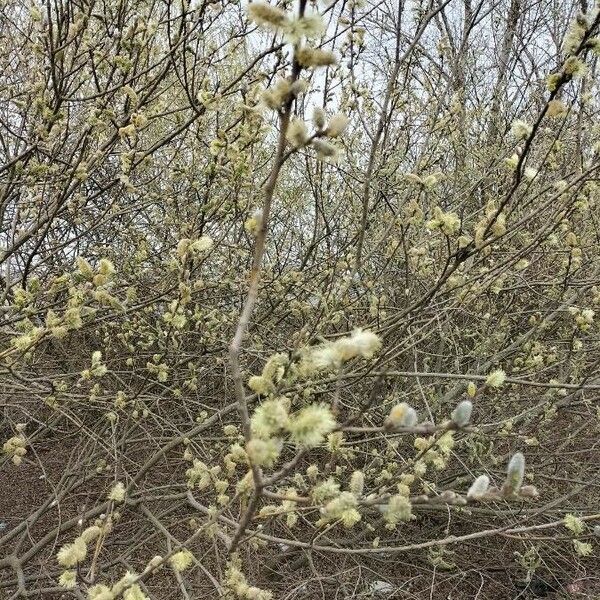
(299, 300)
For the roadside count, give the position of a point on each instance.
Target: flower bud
(337, 125)
(461, 415)
(402, 415)
(479, 488)
(515, 474)
(529, 491)
(318, 118)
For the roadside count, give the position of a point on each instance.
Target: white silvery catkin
(324, 149)
(479, 488)
(402, 415)
(318, 118)
(461, 415)
(267, 16)
(515, 474)
(297, 133)
(315, 57)
(529, 491)
(337, 125)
